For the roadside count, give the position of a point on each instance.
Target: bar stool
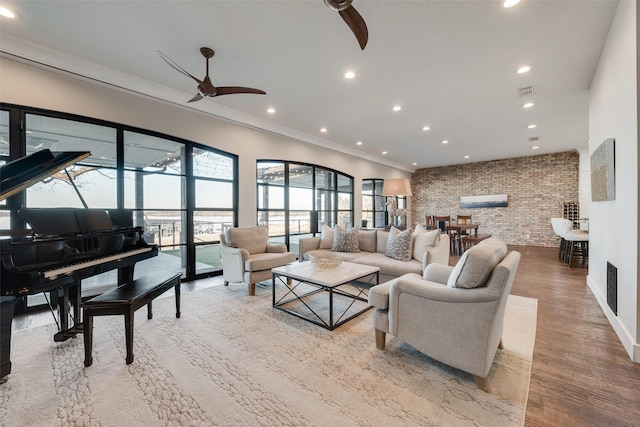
(571, 240)
(577, 240)
(559, 226)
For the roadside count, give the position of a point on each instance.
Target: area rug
(233, 360)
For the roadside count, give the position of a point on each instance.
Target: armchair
(248, 257)
(451, 314)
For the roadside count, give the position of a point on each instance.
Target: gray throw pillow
(345, 240)
(399, 244)
(476, 264)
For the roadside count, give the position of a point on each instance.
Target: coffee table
(305, 287)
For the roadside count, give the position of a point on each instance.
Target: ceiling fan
(352, 18)
(205, 87)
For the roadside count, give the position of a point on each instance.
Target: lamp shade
(396, 187)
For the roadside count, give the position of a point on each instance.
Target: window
(373, 204)
(215, 201)
(182, 193)
(4, 157)
(294, 199)
(94, 178)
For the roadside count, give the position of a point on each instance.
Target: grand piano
(63, 247)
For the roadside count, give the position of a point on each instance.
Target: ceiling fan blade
(177, 67)
(229, 90)
(198, 97)
(357, 25)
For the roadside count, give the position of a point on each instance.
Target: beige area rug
(233, 360)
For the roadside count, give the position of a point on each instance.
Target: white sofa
(373, 246)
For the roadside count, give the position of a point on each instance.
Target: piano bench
(125, 300)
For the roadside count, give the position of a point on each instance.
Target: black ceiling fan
(205, 87)
(352, 18)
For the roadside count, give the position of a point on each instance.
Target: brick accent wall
(536, 187)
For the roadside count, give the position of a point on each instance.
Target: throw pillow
(423, 241)
(345, 240)
(367, 239)
(476, 265)
(399, 244)
(326, 238)
(381, 241)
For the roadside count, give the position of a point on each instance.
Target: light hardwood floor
(581, 374)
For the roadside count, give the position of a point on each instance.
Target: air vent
(612, 287)
(526, 91)
(533, 139)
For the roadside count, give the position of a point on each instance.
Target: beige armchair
(248, 257)
(451, 314)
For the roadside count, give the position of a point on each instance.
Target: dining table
(459, 228)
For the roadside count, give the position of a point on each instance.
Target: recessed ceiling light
(445, 142)
(349, 75)
(426, 128)
(523, 69)
(397, 108)
(271, 110)
(323, 130)
(467, 156)
(531, 126)
(384, 152)
(510, 3)
(528, 105)
(7, 13)
(535, 147)
(359, 143)
(414, 164)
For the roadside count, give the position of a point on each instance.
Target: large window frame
(192, 244)
(374, 204)
(374, 210)
(301, 197)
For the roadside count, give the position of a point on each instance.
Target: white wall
(32, 86)
(613, 228)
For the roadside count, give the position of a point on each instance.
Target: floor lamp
(394, 188)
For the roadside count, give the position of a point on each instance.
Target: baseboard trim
(632, 347)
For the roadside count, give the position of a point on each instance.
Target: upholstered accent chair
(451, 314)
(248, 257)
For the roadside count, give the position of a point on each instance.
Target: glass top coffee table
(302, 289)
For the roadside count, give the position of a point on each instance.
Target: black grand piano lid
(19, 174)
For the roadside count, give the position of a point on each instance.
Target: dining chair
(445, 218)
(442, 221)
(430, 222)
(464, 219)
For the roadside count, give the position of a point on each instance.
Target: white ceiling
(449, 64)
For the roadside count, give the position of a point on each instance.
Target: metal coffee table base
(295, 294)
